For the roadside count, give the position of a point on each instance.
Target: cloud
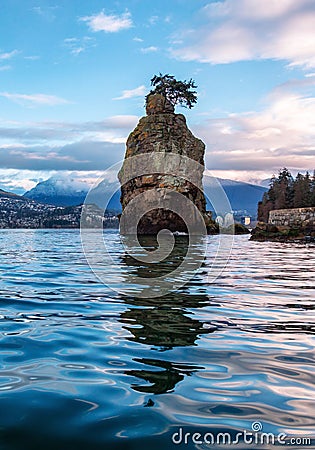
(19, 181)
(64, 146)
(109, 23)
(245, 146)
(32, 57)
(46, 12)
(150, 49)
(281, 134)
(5, 57)
(81, 155)
(8, 55)
(126, 122)
(137, 39)
(140, 91)
(36, 133)
(78, 45)
(252, 30)
(153, 20)
(35, 99)
(258, 177)
(55, 132)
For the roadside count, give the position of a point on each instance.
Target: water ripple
(83, 367)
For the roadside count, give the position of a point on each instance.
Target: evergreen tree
(313, 189)
(283, 188)
(285, 192)
(302, 191)
(177, 92)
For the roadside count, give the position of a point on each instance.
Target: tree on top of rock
(176, 92)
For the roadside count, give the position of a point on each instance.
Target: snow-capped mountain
(60, 191)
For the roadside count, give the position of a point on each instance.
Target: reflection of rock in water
(149, 260)
(154, 266)
(165, 325)
(162, 323)
(162, 381)
(164, 320)
(142, 269)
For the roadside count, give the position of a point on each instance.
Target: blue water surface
(84, 367)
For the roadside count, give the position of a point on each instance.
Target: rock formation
(163, 133)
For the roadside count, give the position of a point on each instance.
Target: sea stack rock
(174, 160)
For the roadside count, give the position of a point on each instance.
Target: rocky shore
(270, 232)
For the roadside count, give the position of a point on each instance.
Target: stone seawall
(292, 218)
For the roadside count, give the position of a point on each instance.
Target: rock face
(165, 134)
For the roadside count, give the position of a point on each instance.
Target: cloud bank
(244, 30)
(35, 99)
(51, 146)
(281, 134)
(246, 146)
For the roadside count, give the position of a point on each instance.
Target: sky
(73, 77)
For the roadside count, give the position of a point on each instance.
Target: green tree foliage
(313, 189)
(302, 191)
(177, 92)
(285, 192)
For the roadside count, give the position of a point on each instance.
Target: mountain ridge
(7, 194)
(243, 196)
(59, 192)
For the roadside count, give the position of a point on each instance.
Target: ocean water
(83, 366)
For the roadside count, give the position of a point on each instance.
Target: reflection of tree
(162, 381)
(164, 326)
(163, 323)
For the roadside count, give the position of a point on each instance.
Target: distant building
(245, 220)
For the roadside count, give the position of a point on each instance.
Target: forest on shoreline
(287, 192)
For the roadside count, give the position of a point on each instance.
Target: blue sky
(73, 76)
